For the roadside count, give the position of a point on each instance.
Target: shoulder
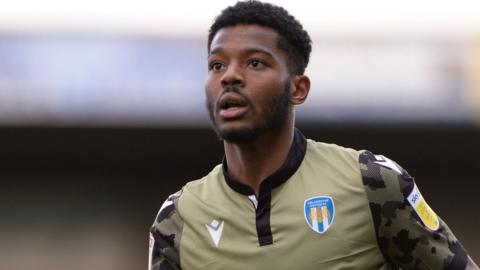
(171, 207)
(409, 233)
(168, 207)
(165, 235)
(168, 223)
(332, 155)
(167, 229)
(213, 175)
(330, 149)
(204, 187)
(382, 176)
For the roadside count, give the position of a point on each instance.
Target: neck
(254, 161)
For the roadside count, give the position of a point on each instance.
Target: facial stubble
(275, 114)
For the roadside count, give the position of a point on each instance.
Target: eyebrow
(218, 50)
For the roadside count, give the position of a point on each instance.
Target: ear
(299, 89)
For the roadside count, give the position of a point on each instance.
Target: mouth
(232, 106)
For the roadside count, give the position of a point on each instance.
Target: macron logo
(215, 229)
(385, 162)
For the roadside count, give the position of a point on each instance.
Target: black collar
(289, 167)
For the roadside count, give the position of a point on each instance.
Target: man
(278, 200)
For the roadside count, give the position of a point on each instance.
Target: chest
(312, 225)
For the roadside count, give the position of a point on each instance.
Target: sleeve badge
(423, 210)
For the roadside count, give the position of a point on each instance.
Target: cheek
(266, 87)
(209, 92)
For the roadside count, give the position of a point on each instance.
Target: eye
(255, 63)
(215, 66)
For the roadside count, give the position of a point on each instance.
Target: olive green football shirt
(327, 207)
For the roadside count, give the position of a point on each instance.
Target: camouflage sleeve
(409, 234)
(165, 235)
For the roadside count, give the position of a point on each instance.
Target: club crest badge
(319, 213)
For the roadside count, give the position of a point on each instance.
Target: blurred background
(102, 113)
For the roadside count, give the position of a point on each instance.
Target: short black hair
(294, 40)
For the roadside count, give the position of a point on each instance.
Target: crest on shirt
(319, 213)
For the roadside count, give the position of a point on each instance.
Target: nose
(233, 76)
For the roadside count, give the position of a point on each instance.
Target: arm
(165, 235)
(409, 233)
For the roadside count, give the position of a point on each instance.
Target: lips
(232, 106)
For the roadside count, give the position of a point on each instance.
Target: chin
(238, 135)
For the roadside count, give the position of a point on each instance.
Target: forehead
(245, 36)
